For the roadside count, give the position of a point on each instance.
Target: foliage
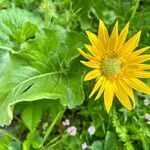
(41, 80)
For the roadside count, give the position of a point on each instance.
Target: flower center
(111, 67)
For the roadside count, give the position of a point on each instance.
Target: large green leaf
(31, 116)
(48, 68)
(13, 71)
(17, 26)
(60, 72)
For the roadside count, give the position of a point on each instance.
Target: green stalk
(59, 115)
(58, 142)
(7, 49)
(47, 13)
(11, 136)
(55, 142)
(135, 9)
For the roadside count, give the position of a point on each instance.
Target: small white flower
(84, 146)
(91, 130)
(72, 130)
(147, 117)
(146, 102)
(66, 122)
(148, 122)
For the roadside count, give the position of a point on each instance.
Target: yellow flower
(116, 66)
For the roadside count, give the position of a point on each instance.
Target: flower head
(72, 130)
(147, 117)
(66, 122)
(116, 65)
(91, 130)
(148, 122)
(84, 146)
(146, 102)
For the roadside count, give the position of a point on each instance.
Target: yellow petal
(122, 36)
(122, 96)
(131, 44)
(138, 85)
(103, 34)
(138, 67)
(91, 64)
(143, 66)
(139, 59)
(97, 85)
(108, 96)
(140, 51)
(129, 74)
(87, 56)
(92, 74)
(113, 38)
(101, 89)
(142, 74)
(95, 41)
(93, 50)
(128, 90)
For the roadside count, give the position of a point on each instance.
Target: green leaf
(4, 142)
(31, 116)
(31, 5)
(110, 141)
(4, 4)
(12, 73)
(17, 26)
(14, 146)
(97, 145)
(137, 24)
(33, 139)
(8, 141)
(48, 68)
(27, 31)
(61, 78)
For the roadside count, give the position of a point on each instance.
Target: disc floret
(111, 67)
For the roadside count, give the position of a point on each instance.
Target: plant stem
(7, 49)
(8, 134)
(58, 142)
(47, 13)
(59, 115)
(55, 139)
(54, 142)
(135, 9)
